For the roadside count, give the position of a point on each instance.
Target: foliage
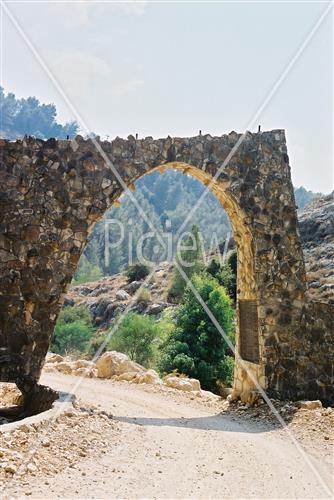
(21, 117)
(233, 261)
(225, 273)
(86, 272)
(190, 261)
(135, 336)
(195, 347)
(143, 294)
(73, 330)
(137, 272)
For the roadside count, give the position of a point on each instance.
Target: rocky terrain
(111, 295)
(117, 366)
(316, 222)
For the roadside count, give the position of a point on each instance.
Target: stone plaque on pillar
(249, 330)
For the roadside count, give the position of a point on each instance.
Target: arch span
(52, 192)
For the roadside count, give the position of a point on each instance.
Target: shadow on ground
(231, 420)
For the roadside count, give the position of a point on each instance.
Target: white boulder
(85, 372)
(182, 383)
(51, 357)
(148, 377)
(310, 405)
(116, 363)
(83, 363)
(122, 295)
(64, 367)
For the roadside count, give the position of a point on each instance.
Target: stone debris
(58, 443)
(118, 366)
(182, 383)
(308, 421)
(310, 405)
(148, 377)
(81, 367)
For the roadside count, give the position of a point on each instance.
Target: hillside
(316, 222)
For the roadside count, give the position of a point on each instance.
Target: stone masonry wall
(52, 192)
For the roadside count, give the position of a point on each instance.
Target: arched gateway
(52, 192)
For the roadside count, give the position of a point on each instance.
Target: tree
(29, 117)
(135, 337)
(196, 347)
(73, 330)
(225, 273)
(189, 260)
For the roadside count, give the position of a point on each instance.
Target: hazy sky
(174, 68)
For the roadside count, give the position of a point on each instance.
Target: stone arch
(52, 192)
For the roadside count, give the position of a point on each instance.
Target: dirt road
(181, 449)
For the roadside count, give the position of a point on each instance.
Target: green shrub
(135, 336)
(195, 347)
(143, 294)
(73, 330)
(190, 261)
(137, 272)
(225, 274)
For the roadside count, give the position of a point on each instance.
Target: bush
(137, 272)
(225, 274)
(143, 294)
(73, 330)
(135, 336)
(190, 261)
(195, 347)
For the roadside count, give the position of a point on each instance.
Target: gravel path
(173, 447)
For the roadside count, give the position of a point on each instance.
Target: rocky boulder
(122, 295)
(64, 367)
(148, 377)
(53, 358)
(116, 363)
(182, 383)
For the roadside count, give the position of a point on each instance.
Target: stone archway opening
(247, 298)
(248, 346)
(52, 192)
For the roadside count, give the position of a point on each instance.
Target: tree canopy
(28, 116)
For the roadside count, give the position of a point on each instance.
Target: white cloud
(127, 86)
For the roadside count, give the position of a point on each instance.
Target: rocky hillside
(316, 223)
(111, 295)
